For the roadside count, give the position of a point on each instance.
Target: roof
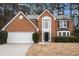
(57, 17)
(63, 17)
(48, 12)
(32, 16)
(14, 19)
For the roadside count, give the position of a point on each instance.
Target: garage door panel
(20, 37)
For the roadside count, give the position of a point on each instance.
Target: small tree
(35, 37)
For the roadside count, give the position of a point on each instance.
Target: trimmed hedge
(35, 37)
(67, 39)
(3, 37)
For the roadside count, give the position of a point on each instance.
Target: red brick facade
(24, 25)
(54, 24)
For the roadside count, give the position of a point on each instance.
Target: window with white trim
(63, 24)
(46, 23)
(63, 33)
(67, 33)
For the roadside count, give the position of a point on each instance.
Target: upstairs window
(63, 24)
(46, 24)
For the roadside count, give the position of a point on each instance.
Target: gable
(20, 23)
(46, 13)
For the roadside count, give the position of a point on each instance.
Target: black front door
(46, 37)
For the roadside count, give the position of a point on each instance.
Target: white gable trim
(14, 19)
(46, 17)
(48, 12)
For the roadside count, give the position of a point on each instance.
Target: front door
(46, 36)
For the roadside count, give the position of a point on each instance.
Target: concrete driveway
(14, 49)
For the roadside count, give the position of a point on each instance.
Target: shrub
(3, 37)
(67, 39)
(35, 37)
(74, 39)
(61, 39)
(76, 32)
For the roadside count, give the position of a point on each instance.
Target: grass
(54, 49)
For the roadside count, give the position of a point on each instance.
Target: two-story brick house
(21, 27)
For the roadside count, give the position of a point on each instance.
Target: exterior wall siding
(22, 25)
(71, 25)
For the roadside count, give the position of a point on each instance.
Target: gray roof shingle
(57, 17)
(32, 16)
(63, 17)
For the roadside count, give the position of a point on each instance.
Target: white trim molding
(48, 19)
(61, 33)
(46, 23)
(63, 24)
(15, 18)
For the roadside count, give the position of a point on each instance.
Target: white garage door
(19, 37)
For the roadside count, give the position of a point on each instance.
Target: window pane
(43, 24)
(46, 24)
(49, 24)
(64, 33)
(61, 24)
(59, 33)
(67, 33)
(65, 23)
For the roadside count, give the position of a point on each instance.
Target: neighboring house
(21, 27)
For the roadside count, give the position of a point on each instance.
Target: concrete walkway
(14, 49)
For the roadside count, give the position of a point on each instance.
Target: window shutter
(67, 24)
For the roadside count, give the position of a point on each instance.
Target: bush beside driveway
(54, 49)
